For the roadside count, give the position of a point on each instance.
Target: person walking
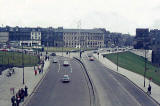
(149, 89)
(13, 99)
(35, 72)
(17, 100)
(26, 90)
(22, 95)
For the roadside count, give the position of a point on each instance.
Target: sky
(122, 16)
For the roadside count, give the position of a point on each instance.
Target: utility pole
(62, 48)
(117, 58)
(145, 69)
(79, 27)
(23, 62)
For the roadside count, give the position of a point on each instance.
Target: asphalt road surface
(114, 89)
(52, 92)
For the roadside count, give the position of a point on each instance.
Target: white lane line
(59, 66)
(71, 67)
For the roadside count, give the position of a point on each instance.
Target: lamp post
(145, 69)
(117, 58)
(62, 48)
(79, 26)
(23, 62)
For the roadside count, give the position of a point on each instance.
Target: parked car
(65, 78)
(66, 63)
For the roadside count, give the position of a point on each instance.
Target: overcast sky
(115, 15)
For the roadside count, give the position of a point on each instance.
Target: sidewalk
(15, 81)
(135, 78)
(71, 55)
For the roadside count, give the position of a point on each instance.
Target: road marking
(71, 69)
(59, 66)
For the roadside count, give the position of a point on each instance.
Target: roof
(83, 30)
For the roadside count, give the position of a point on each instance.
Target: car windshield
(79, 52)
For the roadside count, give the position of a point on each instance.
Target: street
(114, 89)
(52, 92)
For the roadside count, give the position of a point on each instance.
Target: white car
(55, 60)
(65, 78)
(91, 59)
(66, 63)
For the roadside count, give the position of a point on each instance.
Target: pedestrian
(149, 89)
(22, 94)
(103, 56)
(13, 71)
(39, 70)
(35, 72)
(26, 91)
(42, 70)
(17, 100)
(45, 58)
(13, 99)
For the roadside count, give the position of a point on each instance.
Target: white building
(35, 40)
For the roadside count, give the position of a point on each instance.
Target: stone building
(4, 36)
(142, 39)
(55, 37)
(155, 42)
(84, 38)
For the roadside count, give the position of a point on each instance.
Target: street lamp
(145, 69)
(62, 47)
(23, 62)
(79, 27)
(117, 58)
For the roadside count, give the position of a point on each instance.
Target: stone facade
(4, 36)
(142, 40)
(84, 38)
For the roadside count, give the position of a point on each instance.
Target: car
(89, 56)
(55, 60)
(66, 63)
(65, 78)
(53, 54)
(94, 51)
(91, 59)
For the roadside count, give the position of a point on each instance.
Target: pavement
(52, 92)
(135, 78)
(15, 81)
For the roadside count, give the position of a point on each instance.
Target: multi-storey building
(84, 38)
(155, 42)
(4, 37)
(56, 37)
(142, 39)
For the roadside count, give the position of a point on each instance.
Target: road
(52, 92)
(114, 89)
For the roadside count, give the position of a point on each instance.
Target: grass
(14, 58)
(64, 49)
(135, 63)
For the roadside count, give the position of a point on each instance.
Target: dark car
(53, 54)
